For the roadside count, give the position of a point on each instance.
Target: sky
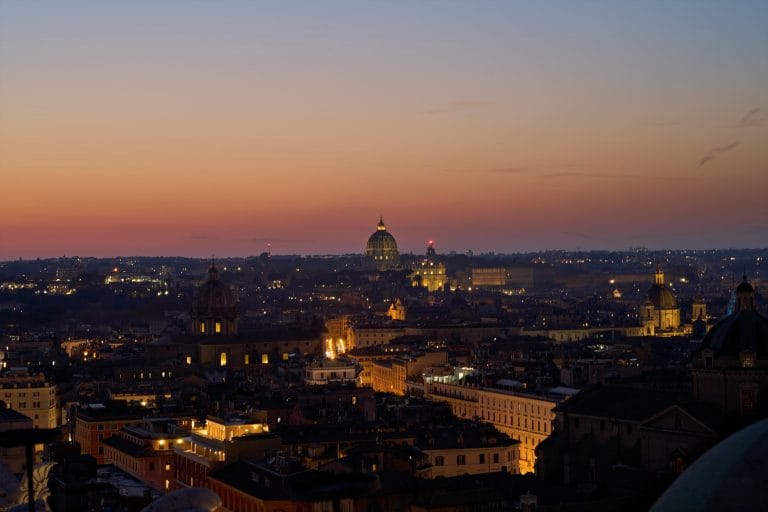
(199, 127)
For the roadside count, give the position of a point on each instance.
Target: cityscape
(383, 257)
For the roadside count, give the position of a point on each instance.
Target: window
(461, 460)
(217, 327)
(602, 425)
(495, 458)
(189, 359)
(202, 327)
(748, 400)
(481, 458)
(247, 359)
(264, 358)
(223, 359)
(151, 466)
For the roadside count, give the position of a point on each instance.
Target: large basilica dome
(382, 248)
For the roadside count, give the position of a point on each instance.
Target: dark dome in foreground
(733, 475)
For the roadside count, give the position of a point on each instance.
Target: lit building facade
(95, 423)
(463, 458)
(146, 451)
(331, 371)
(32, 396)
(390, 375)
(216, 443)
(660, 315)
(525, 417)
(429, 272)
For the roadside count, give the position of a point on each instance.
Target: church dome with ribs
(382, 247)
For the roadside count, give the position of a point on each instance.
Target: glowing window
(247, 359)
(189, 359)
(202, 326)
(264, 358)
(285, 356)
(223, 359)
(217, 327)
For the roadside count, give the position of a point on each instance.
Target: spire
(659, 275)
(381, 227)
(213, 272)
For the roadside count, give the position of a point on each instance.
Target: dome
(743, 330)
(382, 246)
(661, 297)
(213, 298)
(659, 294)
(744, 287)
(730, 476)
(746, 329)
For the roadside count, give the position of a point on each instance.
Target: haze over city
(191, 128)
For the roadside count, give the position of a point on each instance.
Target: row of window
(461, 460)
(516, 406)
(21, 394)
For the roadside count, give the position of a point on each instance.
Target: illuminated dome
(214, 308)
(382, 248)
(659, 295)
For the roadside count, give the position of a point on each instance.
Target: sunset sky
(201, 127)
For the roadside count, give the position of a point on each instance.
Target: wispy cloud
(512, 170)
(554, 171)
(752, 119)
(616, 176)
(712, 153)
(460, 106)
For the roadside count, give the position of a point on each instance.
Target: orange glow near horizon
(236, 136)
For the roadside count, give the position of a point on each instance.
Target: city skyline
(190, 129)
